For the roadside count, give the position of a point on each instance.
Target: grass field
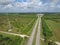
(53, 23)
(17, 23)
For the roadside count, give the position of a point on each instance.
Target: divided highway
(37, 24)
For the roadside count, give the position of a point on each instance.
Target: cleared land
(51, 28)
(17, 23)
(15, 26)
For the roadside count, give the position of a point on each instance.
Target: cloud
(8, 6)
(19, 4)
(58, 6)
(5, 2)
(55, 1)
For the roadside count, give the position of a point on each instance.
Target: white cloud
(4, 2)
(55, 1)
(28, 6)
(58, 6)
(8, 6)
(19, 4)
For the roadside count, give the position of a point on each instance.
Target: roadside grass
(55, 27)
(24, 42)
(42, 36)
(42, 42)
(26, 39)
(53, 22)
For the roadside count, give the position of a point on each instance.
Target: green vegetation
(18, 23)
(53, 22)
(51, 28)
(6, 39)
(45, 43)
(46, 31)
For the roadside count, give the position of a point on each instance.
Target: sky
(29, 6)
